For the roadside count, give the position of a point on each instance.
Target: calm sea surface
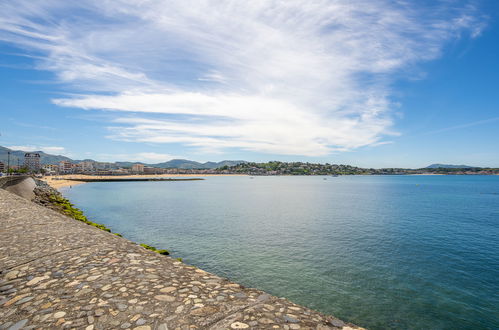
(401, 252)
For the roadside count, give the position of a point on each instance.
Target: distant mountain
(190, 164)
(450, 166)
(127, 164)
(17, 157)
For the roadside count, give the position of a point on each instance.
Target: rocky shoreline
(60, 273)
(45, 196)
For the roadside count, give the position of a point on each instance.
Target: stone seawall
(22, 185)
(56, 272)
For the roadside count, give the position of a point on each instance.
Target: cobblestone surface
(56, 272)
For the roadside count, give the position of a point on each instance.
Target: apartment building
(138, 168)
(32, 161)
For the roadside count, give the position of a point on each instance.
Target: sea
(383, 252)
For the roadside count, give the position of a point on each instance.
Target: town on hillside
(33, 165)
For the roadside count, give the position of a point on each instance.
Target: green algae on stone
(163, 252)
(152, 248)
(67, 208)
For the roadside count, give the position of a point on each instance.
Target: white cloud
(49, 150)
(294, 77)
(144, 157)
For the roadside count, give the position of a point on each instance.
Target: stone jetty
(130, 179)
(58, 273)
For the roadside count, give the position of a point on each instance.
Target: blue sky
(368, 83)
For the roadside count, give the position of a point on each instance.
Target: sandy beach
(61, 181)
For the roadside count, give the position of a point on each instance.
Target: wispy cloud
(50, 150)
(294, 77)
(147, 157)
(465, 125)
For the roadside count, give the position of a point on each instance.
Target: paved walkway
(56, 272)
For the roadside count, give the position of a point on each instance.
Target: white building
(50, 168)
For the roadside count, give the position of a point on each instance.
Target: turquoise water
(399, 252)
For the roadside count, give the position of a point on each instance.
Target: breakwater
(130, 179)
(60, 273)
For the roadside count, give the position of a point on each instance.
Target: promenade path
(56, 272)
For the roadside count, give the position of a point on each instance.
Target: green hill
(449, 166)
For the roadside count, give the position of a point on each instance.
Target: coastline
(121, 272)
(62, 181)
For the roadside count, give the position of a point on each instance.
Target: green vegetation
(68, 209)
(180, 259)
(119, 235)
(296, 168)
(21, 170)
(152, 248)
(299, 168)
